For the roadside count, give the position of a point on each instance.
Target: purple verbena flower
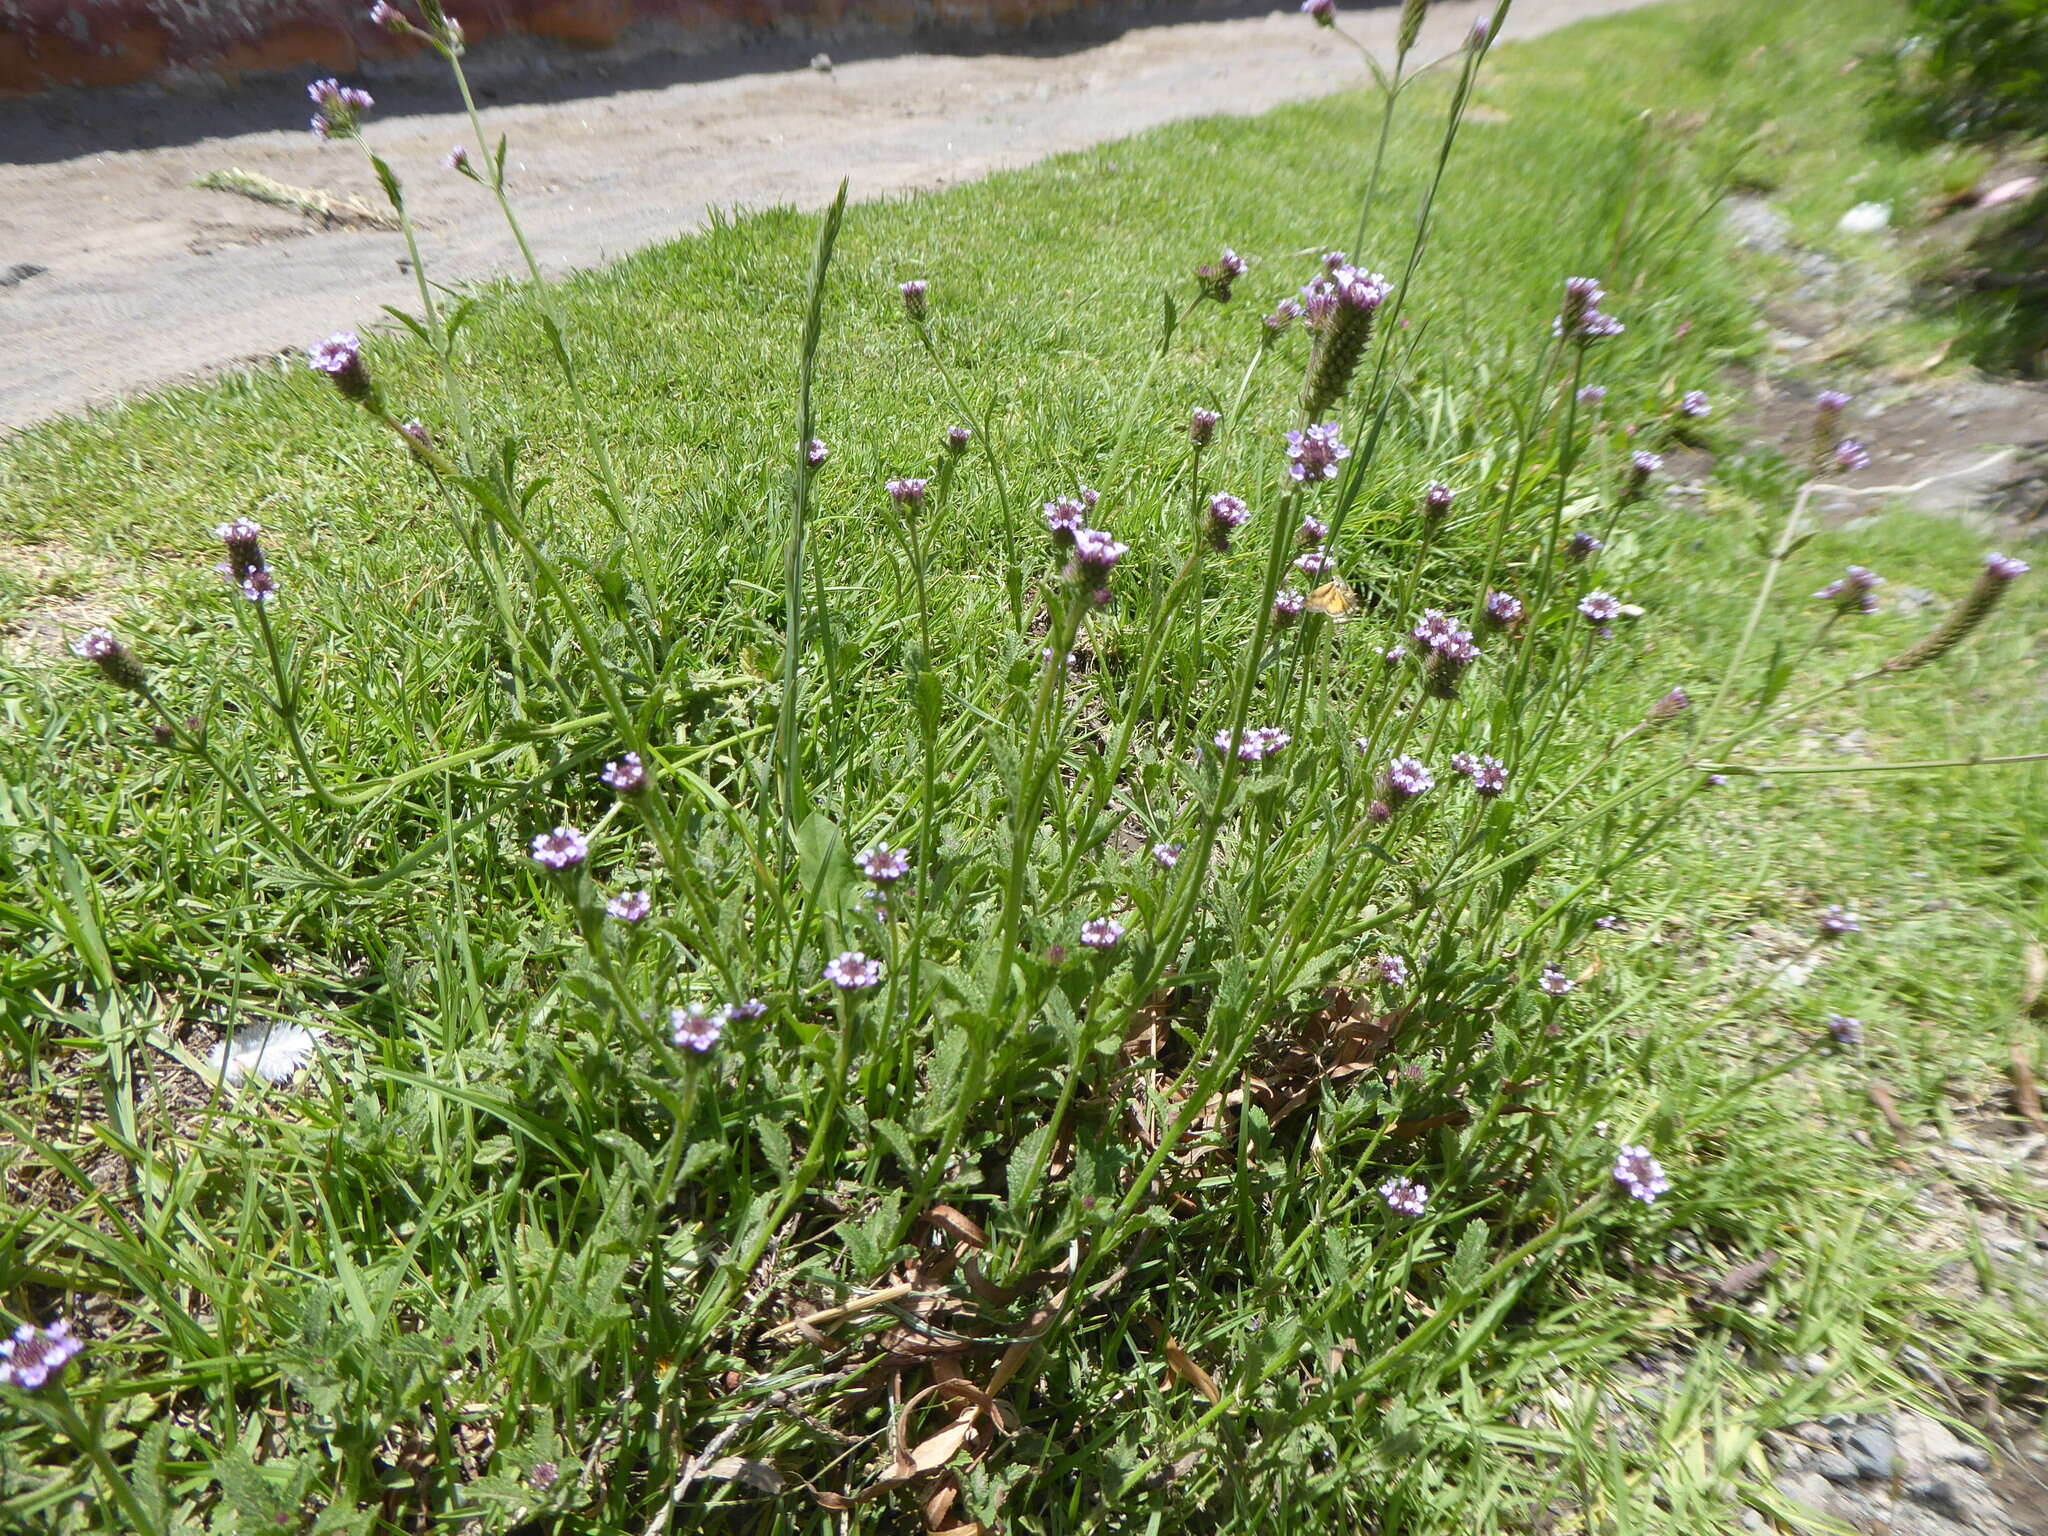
(1394, 655)
(1323, 12)
(1101, 932)
(1851, 456)
(1592, 395)
(1641, 465)
(243, 541)
(260, 586)
(1600, 608)
(1502, 609)
(560, 850)
(1581, 296)
(696, 1027)
(1407, 779)
(908, 494)
(1831, 402)
(116, 662)
(340, 358)
(1315, 452)
(1855, 591)
(1598, 327)
(882, 865)
(1404, 1196)
(630, 906)
(1717, 781)
(1226, 515)
(386, 16)
(852, 971)
(1837, 921)
(341, 108)
(1607, 922)
(1554, 982)
(1582, 546)
(1166, 855)
(1065, 518)
(1287, 606)
(1217, 278)
(957, 439)
(1313, 531)
(35, 1357)
(1285, 313)
(418, 440)
(1489, 776)
(1393, 970)
(1316, 563)
(1640, 1174)
(1844, 1029)
(1696, 403)
(1202, 425)
(914, 293)
(816, 453)
(746, 1011)
(626, 776)
(2005, 567)
(1095, 555)
(1437, 499)
(458, 159)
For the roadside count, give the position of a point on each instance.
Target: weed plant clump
(814, 1016)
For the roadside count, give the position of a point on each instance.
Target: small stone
(1836, 1468)
(822, 63)
(1813, 1365)
(1937, 1495)
(1872, 1450)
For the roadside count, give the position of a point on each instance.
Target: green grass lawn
(384, 1297)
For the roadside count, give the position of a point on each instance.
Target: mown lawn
(428, 1284)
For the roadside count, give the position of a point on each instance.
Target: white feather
(273, 1051)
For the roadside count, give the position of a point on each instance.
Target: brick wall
(45, 43)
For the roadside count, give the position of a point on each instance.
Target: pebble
(1872, 1450)
(1937, 1495)
(1836, 1468)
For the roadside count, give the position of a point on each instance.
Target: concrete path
(116, 274)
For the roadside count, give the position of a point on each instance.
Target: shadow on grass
(1997, 287)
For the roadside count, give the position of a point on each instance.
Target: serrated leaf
(1022, 1161)
(774, 1145)
(1470, 1258)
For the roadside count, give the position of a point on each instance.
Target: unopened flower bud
(2000, 572)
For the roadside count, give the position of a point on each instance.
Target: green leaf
(1022, 1161)
(774, 1145)
(1470, 1258)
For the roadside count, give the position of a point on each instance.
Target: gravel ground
(117, 274)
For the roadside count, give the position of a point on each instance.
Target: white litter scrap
(272, 1052)
(1866, 219)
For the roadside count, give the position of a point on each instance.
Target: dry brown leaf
(933, 1452)
(2026, 1094)
(1881, 1096)
(1191, 1373)
(959, 1227)
(1015, 1356)
(1742, 1279)
(939, 1503)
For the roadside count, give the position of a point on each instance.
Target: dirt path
(116, 274)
